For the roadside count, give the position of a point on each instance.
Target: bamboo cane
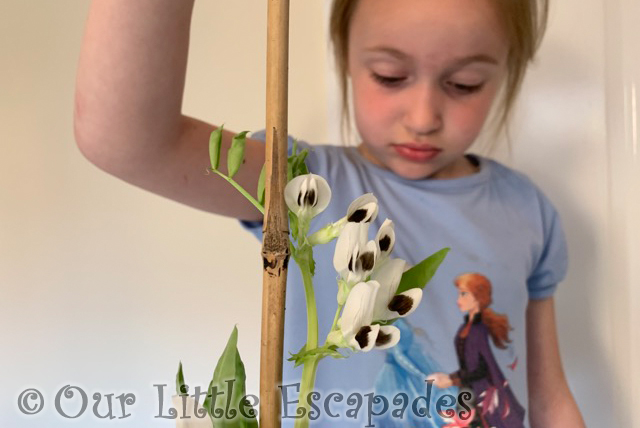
(275, 244)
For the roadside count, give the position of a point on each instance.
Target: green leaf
(303, 166)
(290, 161)
(235, 155)
(207, 400)
(261, 182)
(299, 166)
(295, 163)
(304, 257)
(215, 142)
(419, 275)
(229, 368)
(293, 225)
(181, 387)
(301, 356)
(298, 355)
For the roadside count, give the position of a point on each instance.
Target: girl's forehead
(431, 30)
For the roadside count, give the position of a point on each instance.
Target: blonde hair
(525, 22)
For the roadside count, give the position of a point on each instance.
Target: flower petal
(386, 238)
(364, 209)
(292, 193)
(365, 339)
(388, 336)
(307, 194)
(404, 303)
(358, 309)
(367, 257)
(389, 276)
(362, 261)
(324, 195)
(352, 237)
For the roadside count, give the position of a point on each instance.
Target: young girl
(424, 75)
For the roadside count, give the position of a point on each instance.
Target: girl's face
(424, 75)
(466, 301)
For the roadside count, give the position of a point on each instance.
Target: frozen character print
(405, 369)
(495, 405)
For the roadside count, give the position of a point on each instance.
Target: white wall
(107, 287)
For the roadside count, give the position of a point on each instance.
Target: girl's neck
(460, 168)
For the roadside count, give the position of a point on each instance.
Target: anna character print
(494, 402)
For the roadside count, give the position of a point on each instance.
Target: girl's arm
(128, 107)
(551, 403)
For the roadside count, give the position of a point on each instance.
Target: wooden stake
(275, 244)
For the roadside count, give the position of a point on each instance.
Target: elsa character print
(495, 403)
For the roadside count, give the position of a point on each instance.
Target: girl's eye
(466, 89)
(389, 81)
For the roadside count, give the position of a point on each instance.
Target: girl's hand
(441, 380)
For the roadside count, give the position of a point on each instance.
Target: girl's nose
(423, 112)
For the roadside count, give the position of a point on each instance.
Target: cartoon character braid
(498, 324)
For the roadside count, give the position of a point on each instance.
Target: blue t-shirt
(496, 222)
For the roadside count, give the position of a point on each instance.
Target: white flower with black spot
(307, 195)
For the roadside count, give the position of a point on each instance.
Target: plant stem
(240, 189)
(308, 381)
(309, 367)
(335, 318)
(312, 313)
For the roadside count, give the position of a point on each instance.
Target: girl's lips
(416, 152)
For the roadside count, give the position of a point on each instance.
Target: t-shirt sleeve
(255, 227)
(552, 263)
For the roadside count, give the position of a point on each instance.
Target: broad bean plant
(373, 289)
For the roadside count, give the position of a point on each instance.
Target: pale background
(106, 287)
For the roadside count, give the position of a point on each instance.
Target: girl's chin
(411, 171)
(410, 174)
(430, 170)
